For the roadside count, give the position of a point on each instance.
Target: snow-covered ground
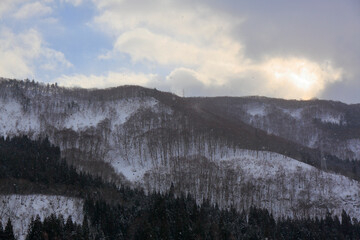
(295, 113)
(20, 209)
(280, 183)
(354, 146)
(343, 193)
(118, 111)
(256, 110)
(13, 121)
(242, 178)
(133, 173)
(260, 164)
(331, 118)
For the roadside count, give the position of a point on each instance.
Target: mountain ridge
(151, 139)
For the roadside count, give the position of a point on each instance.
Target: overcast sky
(286, 49)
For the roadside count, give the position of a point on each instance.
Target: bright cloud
(35, 9)
(22, 53)
(298, 77)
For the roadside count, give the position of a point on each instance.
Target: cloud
(298, 77)
(177, 81)
(183, 81)
(292, 78)
(23, 53)
(54, 59)
(111, 79)
(34, 9)
(199, 46)
(76, 3)
(141, 44)
(188, 21)
(171, 34)
(215, 62)
(7, 6)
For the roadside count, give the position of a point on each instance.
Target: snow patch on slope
(130, 164)
(118, 111)
(264, 163)
(354, 146)
(14, 121)
(294, 113)
(330, 118)
(20, 209)
(256, 110)
(83, 119)
(133, 174)
(125, 108)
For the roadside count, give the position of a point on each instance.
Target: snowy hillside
(152, 140)
(21, 208)
(330, 126)
(243, 178)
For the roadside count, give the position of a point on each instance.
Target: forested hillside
(150, 140)
(111, 212)
(332, 127)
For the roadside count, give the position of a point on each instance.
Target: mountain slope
(125, 213)
(332, 127)
(152, 139)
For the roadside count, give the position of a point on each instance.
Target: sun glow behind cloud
(299, 77)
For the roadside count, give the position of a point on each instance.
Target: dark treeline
(55, 227)
(37, 166)
(125, 213)
(167, 217)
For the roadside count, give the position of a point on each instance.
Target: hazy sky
(288, 49)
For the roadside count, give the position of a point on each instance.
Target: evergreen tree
(345, 224)
(35, 229)
(85, 228)
(69, 230)
(8, 232)
(1, 231)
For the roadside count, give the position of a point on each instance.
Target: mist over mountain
(294, 158)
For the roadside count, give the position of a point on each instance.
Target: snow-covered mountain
(231, 153)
